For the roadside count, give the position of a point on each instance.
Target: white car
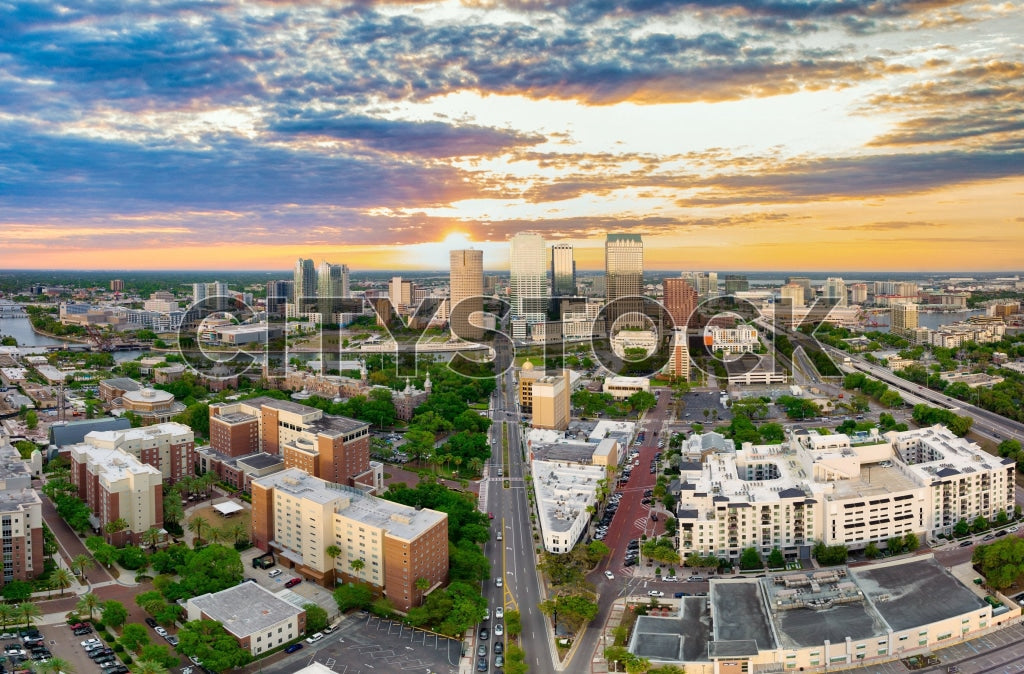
(274, 574)
(160, 630)
(315, 638)
(1013, 530)
(89, 642)
(499, 613)
(655, 593)
(609, 575)
(497, 582)
(498, 630)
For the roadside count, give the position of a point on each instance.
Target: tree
(890, 399)
(62, 579)
(575, 610)
(237, 533)
(357, 565)
(132, 558)
(353, 595)
(911, 542)
(750, 559)
(152, 666)
(116, 526)
(8, 614)
(513, 623)
(776, 560)
(962, 528)
(27, 611)
(158, 654)
(88, 603)
(31, 420)
(196, 525)
(980, 524)
(151, 537)
(58, 665)
(871, 551)
(80, 564)
(211, 569)
(16, 591)
(114, 613)
(422, 584)
(134, 637)
(316, 618)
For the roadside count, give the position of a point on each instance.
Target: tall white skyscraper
(563, 270)
(528, 277)
(835, 289)
(304, 283)
(624, 273)
(331, 285)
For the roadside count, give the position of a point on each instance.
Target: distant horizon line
(397, 272)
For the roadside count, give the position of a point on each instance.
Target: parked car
(150, 622)
(293, 648)
(329, 629)
(274, 574)
(609, 575)
(88, 642)
(631, 561)
(499, 629)
(171, 639)
(293, 582)
(315, 638)
(481, 651)
(82, 631)
(481, 664)
(78, 626)
(499, 661)
(484, 634)
(655, 593)
(499, 613)
(160, 630)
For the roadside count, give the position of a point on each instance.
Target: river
(935, 320)
(30, 341)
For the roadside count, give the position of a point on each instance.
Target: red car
(490, 516)
(293, 582)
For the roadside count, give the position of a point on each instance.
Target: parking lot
(307, 590)
(366, 644)
(64, 645)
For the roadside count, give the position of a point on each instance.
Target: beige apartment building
(115, 484)
(299, 516)
(168, 447)
(259, 619)
(545, 396)
(334, 448)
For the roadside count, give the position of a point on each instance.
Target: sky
(730, 134)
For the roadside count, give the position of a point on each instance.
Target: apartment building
(546, 397)
(330, 447)
(298, 516)
(168, 447)
(252, 614)
(679, 355)
(21, 518)
(838, 489)
(903, 319)
(115, 484)
(741, 339)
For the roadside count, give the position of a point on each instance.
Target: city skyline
(735, 135)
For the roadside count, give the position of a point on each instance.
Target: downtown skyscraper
(563, 270)
(466, 286)
(528, 277)
(304, 283)
(624, 274)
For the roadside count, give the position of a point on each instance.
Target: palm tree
(238, 532)
(80, 564)
(332, 551)
(62, 579)
(196, 526)
(422, 584)
(151, 537)
(28, 612)
(8, 613)
(88, 602)
(149, 667)
(116, 526)
(54, 666)
(357, 565)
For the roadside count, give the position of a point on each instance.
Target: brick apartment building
(21, 518)
(299, 516)
(333, 448)
(115, 484)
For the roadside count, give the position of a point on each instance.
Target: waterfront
(21, 330)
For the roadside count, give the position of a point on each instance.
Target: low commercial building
(252, 614)
(117, 387)
(623, 387)
(833, 618)
(115, 485)
(565, 490)
(299, 516)
(838, 489)
(238, 471)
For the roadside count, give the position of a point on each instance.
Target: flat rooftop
(235, 417)
(564, 490)
(260, 460)
(400, 521)
(740, 613)
(916, 592)
(676, 638)
(245, 609)
(328, 425)
(571, 451)
(122, 383)
(875, 479)
(274, 403)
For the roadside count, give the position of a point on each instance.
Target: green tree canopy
(212, 644)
